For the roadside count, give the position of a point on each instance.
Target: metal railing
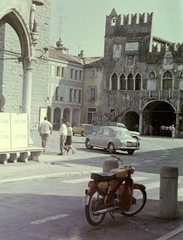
(159, 94)
(146, 95)
(127, 105)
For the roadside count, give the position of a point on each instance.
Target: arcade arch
(76, 116)
(158, 113)
(131, 119)
(55, 115)
(14, 18)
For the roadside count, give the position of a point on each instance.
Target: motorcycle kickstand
(112, 215)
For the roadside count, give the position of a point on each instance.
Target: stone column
(118, 83)
(79, 120)
(140, 121)
(168, 191)
(27, 87)
(61, 114)
(70, 117)
(177, 124)
(52, 116)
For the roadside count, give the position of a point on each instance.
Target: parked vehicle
(91, 129)
(113, 192)
(134, 134)
(80, 129)
(112, 138)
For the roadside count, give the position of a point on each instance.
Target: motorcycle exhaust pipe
(96, 213)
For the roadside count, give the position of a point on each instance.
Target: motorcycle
(113, 192)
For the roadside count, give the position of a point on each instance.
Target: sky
(81, 23)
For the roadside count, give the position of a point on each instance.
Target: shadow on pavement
(70, 222)
(153, 164)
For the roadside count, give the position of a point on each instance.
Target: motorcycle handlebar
(120, 159)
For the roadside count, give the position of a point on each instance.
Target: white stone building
(65, 86)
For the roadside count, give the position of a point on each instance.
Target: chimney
(81, 54)
(60, 46)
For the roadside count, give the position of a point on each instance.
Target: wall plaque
(117, 51)
(132, 46)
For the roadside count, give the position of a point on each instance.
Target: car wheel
(130, 152)
(88, 144)
(111, 148)
(82, 133)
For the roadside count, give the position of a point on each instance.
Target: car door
(96, 138)
(105, 137)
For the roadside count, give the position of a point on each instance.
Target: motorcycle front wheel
(138, 201)
(94, 205)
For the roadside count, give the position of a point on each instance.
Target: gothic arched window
(122, 82)
(167, 81)
(114, 81)
(130, 82)
(137, 82)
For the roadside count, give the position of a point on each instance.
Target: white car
(112, 138)
(134, 134)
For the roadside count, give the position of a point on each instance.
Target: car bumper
(127, 148)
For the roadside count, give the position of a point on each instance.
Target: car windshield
(121, 133)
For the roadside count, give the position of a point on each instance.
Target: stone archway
(76, 116)
(14, 18)
(131, 119)
(67, 114)
(27, 21)
(57, 118)
(158, 113)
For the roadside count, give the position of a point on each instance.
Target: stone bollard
(168, 192)
(109, 164)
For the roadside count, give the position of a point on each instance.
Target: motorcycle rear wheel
(94, 204)
(138, 202)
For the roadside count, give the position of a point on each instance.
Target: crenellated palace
(142, 82)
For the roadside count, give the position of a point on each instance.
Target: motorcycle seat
(103, 177)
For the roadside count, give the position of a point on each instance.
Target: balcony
(160, 94)
(145, 96)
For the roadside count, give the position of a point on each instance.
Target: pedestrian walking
(45, 129)
(69, 138)
(63, 135)
(173, 132)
